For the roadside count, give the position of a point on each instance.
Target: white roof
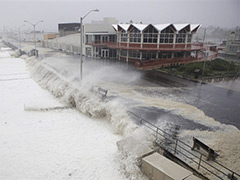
(194, 26)
(161, 27)
(180, 26)
(124, 26)
(140, 27)
(115, 26)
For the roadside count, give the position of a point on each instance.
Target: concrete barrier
(132, 146)
(153, 164)
(158, 167)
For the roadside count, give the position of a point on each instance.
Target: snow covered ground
(53, 144)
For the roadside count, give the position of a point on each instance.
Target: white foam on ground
(61, 144)
(62, 84)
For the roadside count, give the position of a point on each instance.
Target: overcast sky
(223, 13)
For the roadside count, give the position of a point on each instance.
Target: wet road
(221, 103)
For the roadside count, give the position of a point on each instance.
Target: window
(180, 38)
(150, 35)
(112, 38)
(97, 39)
(164, 55)
(124, 36)
(148, 55)
(123, 53)
(134, 54)
(167, 35)
(189, 38)
(135, 35)
(179, 54)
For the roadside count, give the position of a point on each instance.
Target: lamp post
(205, 55)
(34, 27)
(19, 36)
(81, 39)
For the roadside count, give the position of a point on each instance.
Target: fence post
(175, 150)
(200, 161)
(157, 133)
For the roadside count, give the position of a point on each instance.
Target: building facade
(65, 29)
(233, 43)
(149, 46)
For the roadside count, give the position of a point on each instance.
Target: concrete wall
(158, 167)
(153, 164)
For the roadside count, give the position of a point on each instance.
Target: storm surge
(125, 94)
(69, 91)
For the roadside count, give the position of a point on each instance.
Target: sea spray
(80, 98)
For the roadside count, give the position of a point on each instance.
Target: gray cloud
(223, 13)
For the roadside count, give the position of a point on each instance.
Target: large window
(148, 55)
(97, 39)
(165, 55)
(189, 38)
(181, 35)
(135, 35)
(179, 54)
(112, 38)
(134, 54)
(167, 35)
(89, 39)
(123, 53)
(150, 35)
(124, 36)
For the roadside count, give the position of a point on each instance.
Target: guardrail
(158, 63)
(185, 153)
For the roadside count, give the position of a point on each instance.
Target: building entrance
(105, 53)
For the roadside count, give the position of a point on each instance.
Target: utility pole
(81, 40)
(19, 36)
(34, 28)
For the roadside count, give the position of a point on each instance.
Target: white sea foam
(63, 85)
(81, 98)
(59, 144)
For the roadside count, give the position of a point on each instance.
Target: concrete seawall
(154, 165)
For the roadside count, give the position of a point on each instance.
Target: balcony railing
(149, 47)
(158, 63)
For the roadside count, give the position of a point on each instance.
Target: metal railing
(185, 153)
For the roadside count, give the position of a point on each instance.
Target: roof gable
(161, 27)
(140, 27)
(194, 27)
(124, 26)
(179, 27)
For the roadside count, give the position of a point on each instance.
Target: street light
(19, 35)
(34, 25)
(81, 39)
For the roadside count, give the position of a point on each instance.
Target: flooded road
(220, 100)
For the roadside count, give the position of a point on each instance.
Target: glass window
(164, 55)
(150, 35)
(124, 53)
(97, 39)
(124, 36)
(135, 35)
(134, 54)
(189, 38)
(148, 55)
(181, 35)
(167, 35)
